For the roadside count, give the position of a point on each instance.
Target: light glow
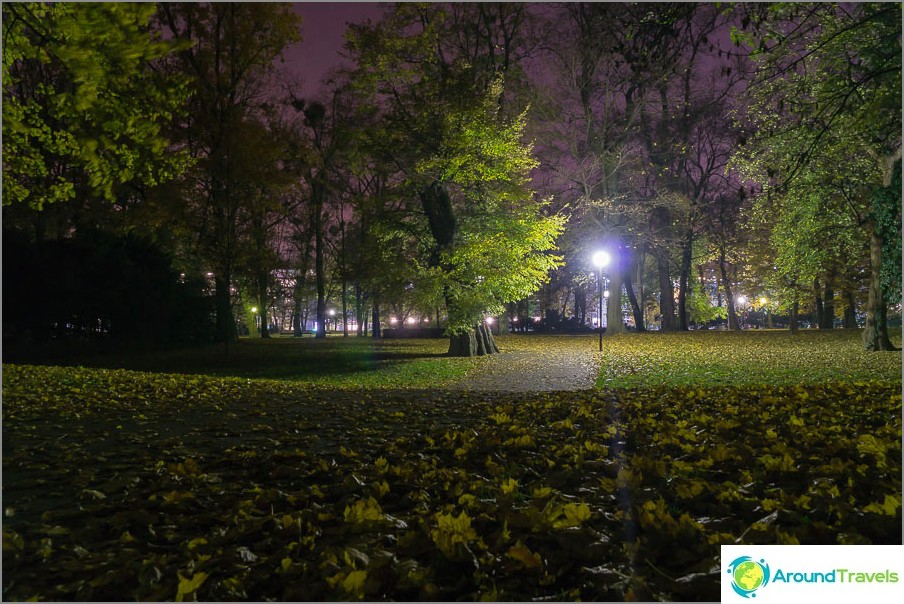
(601, 259)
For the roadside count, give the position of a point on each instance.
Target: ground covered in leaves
(130, 485)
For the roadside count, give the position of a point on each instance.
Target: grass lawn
(334, 362)
(722, 358)
(252, 478)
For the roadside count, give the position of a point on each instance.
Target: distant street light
(601, 259)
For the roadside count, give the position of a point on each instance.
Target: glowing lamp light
(763, 301)
(489, 320)
(411, 320)
(393, 320)
(332, 312)
(601, 259)
(742, 299)
(254, 309)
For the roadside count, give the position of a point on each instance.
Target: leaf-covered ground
(129, 485)
(722, 358)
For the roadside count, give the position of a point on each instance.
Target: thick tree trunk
(666, 292)
(474, 342)
(733, 323)
(615, 322)
(850, 310)
(223, 304)
(792, 319)
(817, 305)
(875, 333)
(580, 306)
(635, 306)
(376, 330)
(359, 311)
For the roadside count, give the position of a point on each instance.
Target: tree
(484, 239)
(825, 109)
(84, 111)
(227, 51)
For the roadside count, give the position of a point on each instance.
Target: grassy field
(252, 477)
(702, 358)
(716, 358)
(335, 362)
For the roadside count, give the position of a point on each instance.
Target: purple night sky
(322, 28)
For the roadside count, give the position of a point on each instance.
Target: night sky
(322, 28)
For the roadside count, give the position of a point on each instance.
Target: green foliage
(824, 119)
(479, 237)
(160, 487)
(83, 111)
(699, 306)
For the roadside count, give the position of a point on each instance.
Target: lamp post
(601, 259)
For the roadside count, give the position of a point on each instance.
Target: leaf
(362, 511)
(354, 583)
(525, 556)
(889, 507)
(188, 586)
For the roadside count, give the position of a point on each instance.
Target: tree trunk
(850, 310)
(875, 332)
(318, 191)
(817, 305)
(474, 342)
(635, 306)
(686, 257)
(792, 320)
(262, 303)
(828, 305)
(359, 310)
(580, 306)
(733, 323)
(666, 292)
(375, 319)
(615, 322)
(223, 304)
(344, 307)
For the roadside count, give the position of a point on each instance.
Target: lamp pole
(601, 259)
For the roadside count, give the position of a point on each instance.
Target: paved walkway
(528, 371)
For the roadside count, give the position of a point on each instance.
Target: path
(534, 371)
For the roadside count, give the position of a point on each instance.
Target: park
(445, 301)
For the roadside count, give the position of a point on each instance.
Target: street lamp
(601, 259)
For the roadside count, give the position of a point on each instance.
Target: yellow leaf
(541, 492)
(509, 485)
(577, 512)
(524, 555)
(354, 582)
(888, 507)
(189, 586)
(286, 563)
(196, 542)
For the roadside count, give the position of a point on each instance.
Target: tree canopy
(84, 110)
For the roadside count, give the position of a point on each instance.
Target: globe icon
(748, 575)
